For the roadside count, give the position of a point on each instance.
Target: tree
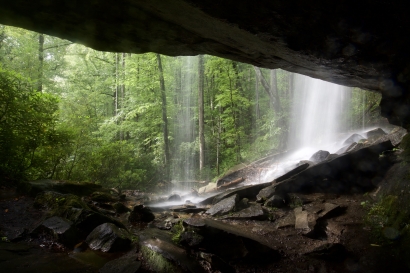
(164, 116)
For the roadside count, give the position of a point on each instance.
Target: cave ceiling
(359, 43)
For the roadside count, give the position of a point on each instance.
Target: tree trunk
(41, 60)
(164, 116)
(201, 112)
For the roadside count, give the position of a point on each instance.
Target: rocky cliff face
(355, 43)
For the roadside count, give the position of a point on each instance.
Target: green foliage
(177, 230)
(386, 219)
(26, 125)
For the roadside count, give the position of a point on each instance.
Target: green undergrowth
(389, 222)
(177, 230)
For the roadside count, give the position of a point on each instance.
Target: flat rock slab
(108, 238)
(162, 255)
(224, 206)
(232, 243)
(253, 212)
(301, 219)
(286, 221)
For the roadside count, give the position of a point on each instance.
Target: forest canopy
(137, 121)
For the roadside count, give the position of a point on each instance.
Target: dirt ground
(18, 216)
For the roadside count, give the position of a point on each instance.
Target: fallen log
(234, 182)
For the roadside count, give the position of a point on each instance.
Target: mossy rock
(157, 262)
(103, 197)
(120, 207)
(78, 188)
(71, 207)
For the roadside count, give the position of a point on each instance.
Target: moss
(387, 219)
(177, 230)
(157, 262)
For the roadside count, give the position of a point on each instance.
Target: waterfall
(184, 160)
(318, 113)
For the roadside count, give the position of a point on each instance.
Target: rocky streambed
(308, 220)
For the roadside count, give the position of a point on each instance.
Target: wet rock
(216, 263)
(266, 193)
(120, 207)
(108, 238)
(224, 206)
(332, 156)
(253, 212)
(310, 163)
(174, 197)
(103, 197)
(275, 201)
(300, 167)
(375, 134)
(162, 255)
(121, 265)
(319, 156)
(60, 230)
(194, 222)
(329, 252)
(141, 214)
(208, 188)
(350, 172)
(353, 138)
(243, 192)
(346, 148)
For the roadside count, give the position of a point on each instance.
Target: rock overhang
(353, 43)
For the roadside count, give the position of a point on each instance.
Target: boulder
(374, 134)
(60, 230)
(120, 207)
(319, 156)
(224, 206)
(174, 197)
(141, 214)
(275, 201)
(162, 255)
(346, 148)
(121, 265)
(208, 188)
(231, 243)
(350, 172)
(72, 208)
(266, 193)
(353, 138)
(109, 238)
